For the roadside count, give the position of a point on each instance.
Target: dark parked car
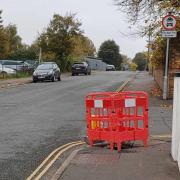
(47, 71)
(110, 68)
(81, 68)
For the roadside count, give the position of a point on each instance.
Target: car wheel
(34, 81)
(85, 73)
(59, 78)
(4, 73)
(73, 74)
(53, 78)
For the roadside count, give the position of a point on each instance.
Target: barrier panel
(117, 117)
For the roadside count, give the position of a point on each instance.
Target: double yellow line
(121, 88)
(49, 161)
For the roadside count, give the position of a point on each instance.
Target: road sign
(169, 25)
(169, 34)
(169, 22)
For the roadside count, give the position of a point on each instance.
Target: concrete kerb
(121, 88)
(50, 160)
(15, 83)
(5, 84)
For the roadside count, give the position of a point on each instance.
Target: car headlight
(35, 73)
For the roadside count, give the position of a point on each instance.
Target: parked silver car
(5, 70)
(16, 65)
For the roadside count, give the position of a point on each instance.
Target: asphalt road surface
(37, 118)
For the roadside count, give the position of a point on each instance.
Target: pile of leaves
(166, 106)
(156, 91)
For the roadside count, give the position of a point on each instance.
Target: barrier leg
(91, 142)
(145, 142)
(119, 146)
(112, 145)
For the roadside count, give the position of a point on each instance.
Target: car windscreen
(78, 64)
(45, 67)
(110, 66)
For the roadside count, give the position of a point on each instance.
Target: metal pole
(40, 54)
(165, 87)
(3, 68)
(148, 59)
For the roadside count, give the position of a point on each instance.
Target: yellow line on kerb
(161, 136)
(37, 174)
(123, 85)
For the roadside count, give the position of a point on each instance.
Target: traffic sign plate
(169, 34)
(169, 22)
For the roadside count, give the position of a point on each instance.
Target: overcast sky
(100, 18)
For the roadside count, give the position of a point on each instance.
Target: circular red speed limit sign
(169, 22)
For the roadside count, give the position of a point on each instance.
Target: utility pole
(40, 55)
(149, 41)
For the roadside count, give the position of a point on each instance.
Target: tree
(133, 66)
(137, 9)
(57, 38)
(63, 41)
(83, 47)
(140, 60)
(1, 21)
(4, 44)
(13, 38)
(109, 52)
(25, 53)
(148, 12)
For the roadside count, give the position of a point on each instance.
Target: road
(37, 118)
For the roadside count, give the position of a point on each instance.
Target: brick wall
(174, 62)
(158, 75)
(174, 66)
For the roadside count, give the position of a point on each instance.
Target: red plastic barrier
(99, 108)
(117, 117)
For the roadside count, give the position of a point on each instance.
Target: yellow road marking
(55, 158)
(123, 85)
(65, 164)
(62, 149)
(47, 159)
(161, 136)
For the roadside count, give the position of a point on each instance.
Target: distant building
(125, 67)
(96, 63)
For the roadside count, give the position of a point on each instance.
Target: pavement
(36, 118)
(133, 162)
(9, 83)
(14, 82)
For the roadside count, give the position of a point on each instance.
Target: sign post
(169, 25)
(165, 87)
